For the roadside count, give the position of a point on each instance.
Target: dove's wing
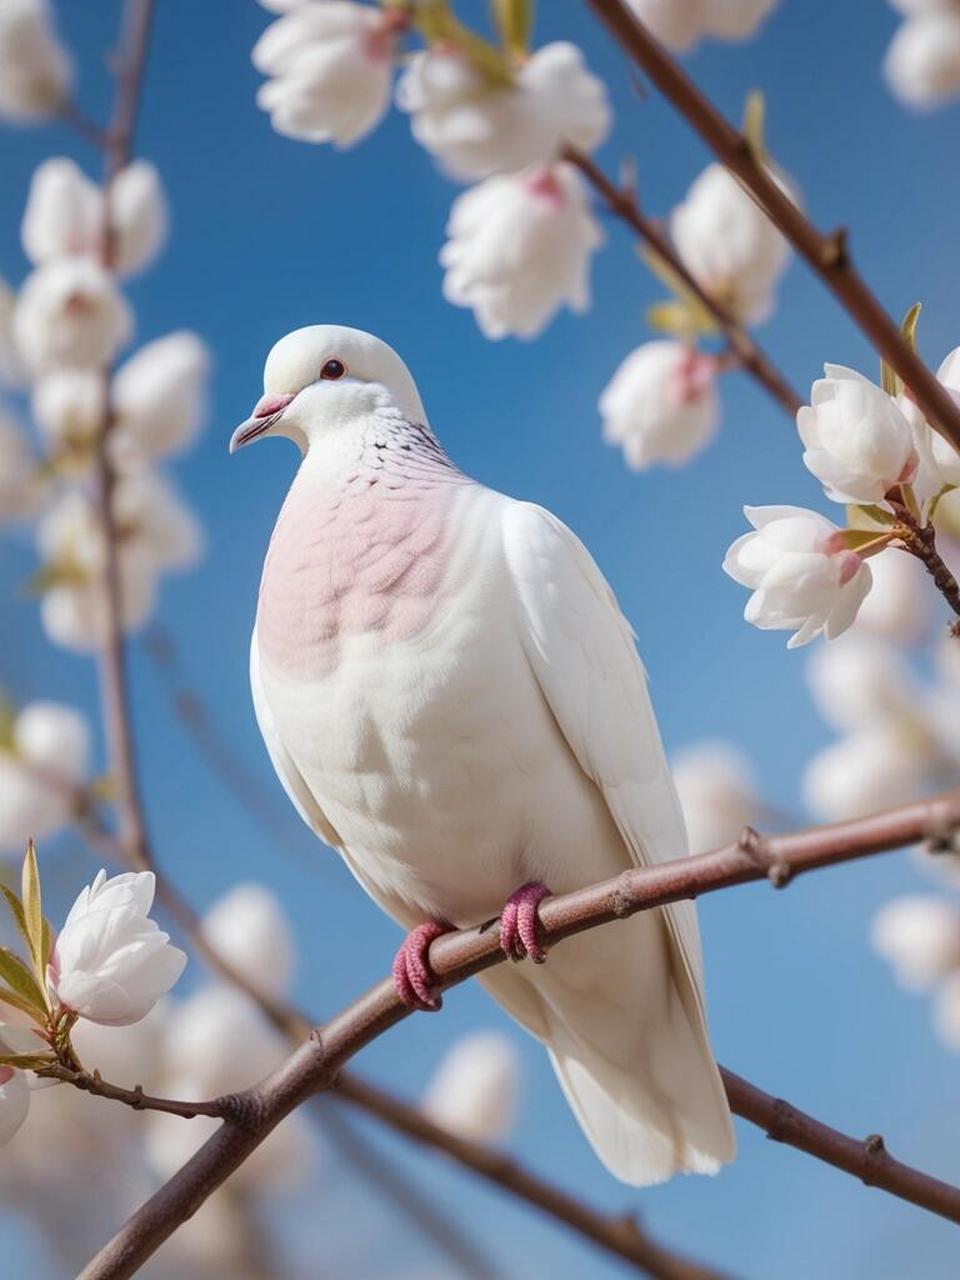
(290, 776)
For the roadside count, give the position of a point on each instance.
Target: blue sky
(271, 234)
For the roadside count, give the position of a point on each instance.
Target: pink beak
(266, 412)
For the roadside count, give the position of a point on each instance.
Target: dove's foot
(520, 923)
(414, 980)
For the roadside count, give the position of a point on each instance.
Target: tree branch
(458, 956)
(828, 254)
(747, 354)
(92, 1082)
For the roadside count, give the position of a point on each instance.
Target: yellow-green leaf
(865, 542)
(514, 21)
(890, 379)
(696, 317)
(909, 326)
(16, 909)
(21, 981)
(27, 1061)
(754, 111)
(32, 909)
(17, 1002)
(937, 499)
(869, 516)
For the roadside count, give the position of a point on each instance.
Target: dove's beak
(267, 411)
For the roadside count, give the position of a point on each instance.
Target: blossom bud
(717, 793)
(872, 769)
(332, 65)
(69, 406)
(476, 128)
(474, 1090)
(799, 572)
(518, 247)
(70, 313)
(111, 963)
(661, 404)
(920, 936)
(159, 398)
(922, 65)
(249, 930)
(35, 71)
(858, 443)
(64, 213)
(139, 218)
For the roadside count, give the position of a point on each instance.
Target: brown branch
(92, 1082)
(828, 254)
(745, 351)
(458, 956)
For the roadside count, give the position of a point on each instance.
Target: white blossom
(475, 1088)
(800, 574)
(898, 606)
(139, 218)
(735, 19)
(159, 397)
(920, 936)
(661, 404)
(64, 213)
(717, 791)
(476, 128)
(43, 761)
(111, 963)
(679, 24)
(14, 1102)
(922, 65)
(248, 928)
(12, 373)
(872, 769)
(858, 443)
(69, 406)
(70, 312)
(860, 680)
(331, 65)
(35, 70)
(20, 480)
(519, 247)
(729, 245)
(939, 460)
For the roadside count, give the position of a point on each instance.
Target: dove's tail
(630, 1050)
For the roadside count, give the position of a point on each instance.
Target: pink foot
(412, 976)
(520, 923)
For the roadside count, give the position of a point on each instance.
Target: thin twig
(92, 1082)
(827, 254)
(746, 352)
(457, 956)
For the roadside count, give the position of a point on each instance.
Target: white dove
(452, 699)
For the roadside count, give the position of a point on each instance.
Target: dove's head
(327, 378)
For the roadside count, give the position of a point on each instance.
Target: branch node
(622, 903)
(781, 1121)
(834, 255)
(757, 849)
(136, 1100)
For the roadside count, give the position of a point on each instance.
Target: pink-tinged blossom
(70, 312)
(475, 128)
(331, 68)
(111, 963)
(857, 441)
(801, 576)
(518, 248)
(661, 404)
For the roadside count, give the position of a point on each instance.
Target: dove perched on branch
(452, 700)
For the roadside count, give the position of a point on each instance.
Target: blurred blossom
(860, 680)
(476, 127)
(800, 577)
(111, 963)
(898, 605)
(717, 793)
(139, 218)
(12, 373)
(160, 397)
(518, 248)
(679, 24)
(214, 1242)
(946, 1011)
(920, 936)
(14, 1102)
(729, 245)
(661, 404)
(922, 65)
(69, 406)
(331, 66)
(70, 312)
(64, 213)
(248, 929)
(44, 758)
(940, 462)
(35, 70)
(874, 768)
(474, 1090)
(857, 442)
(21, 483)
(125, 1055)
(156, 531)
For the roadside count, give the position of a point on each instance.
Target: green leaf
(514, 21)
(16, 910)
(27, 1061)
(17, 1002)
(889, 380)
(21, 981)
(869, 516)
(678, 318)
(754, 111)
(909, 326)
(33, 913)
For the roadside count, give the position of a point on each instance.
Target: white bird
(452, 699)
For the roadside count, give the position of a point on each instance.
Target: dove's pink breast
(367, 554)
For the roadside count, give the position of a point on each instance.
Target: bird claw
(520, 923)
(413, 979)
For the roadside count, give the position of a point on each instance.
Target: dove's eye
(333, 369)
